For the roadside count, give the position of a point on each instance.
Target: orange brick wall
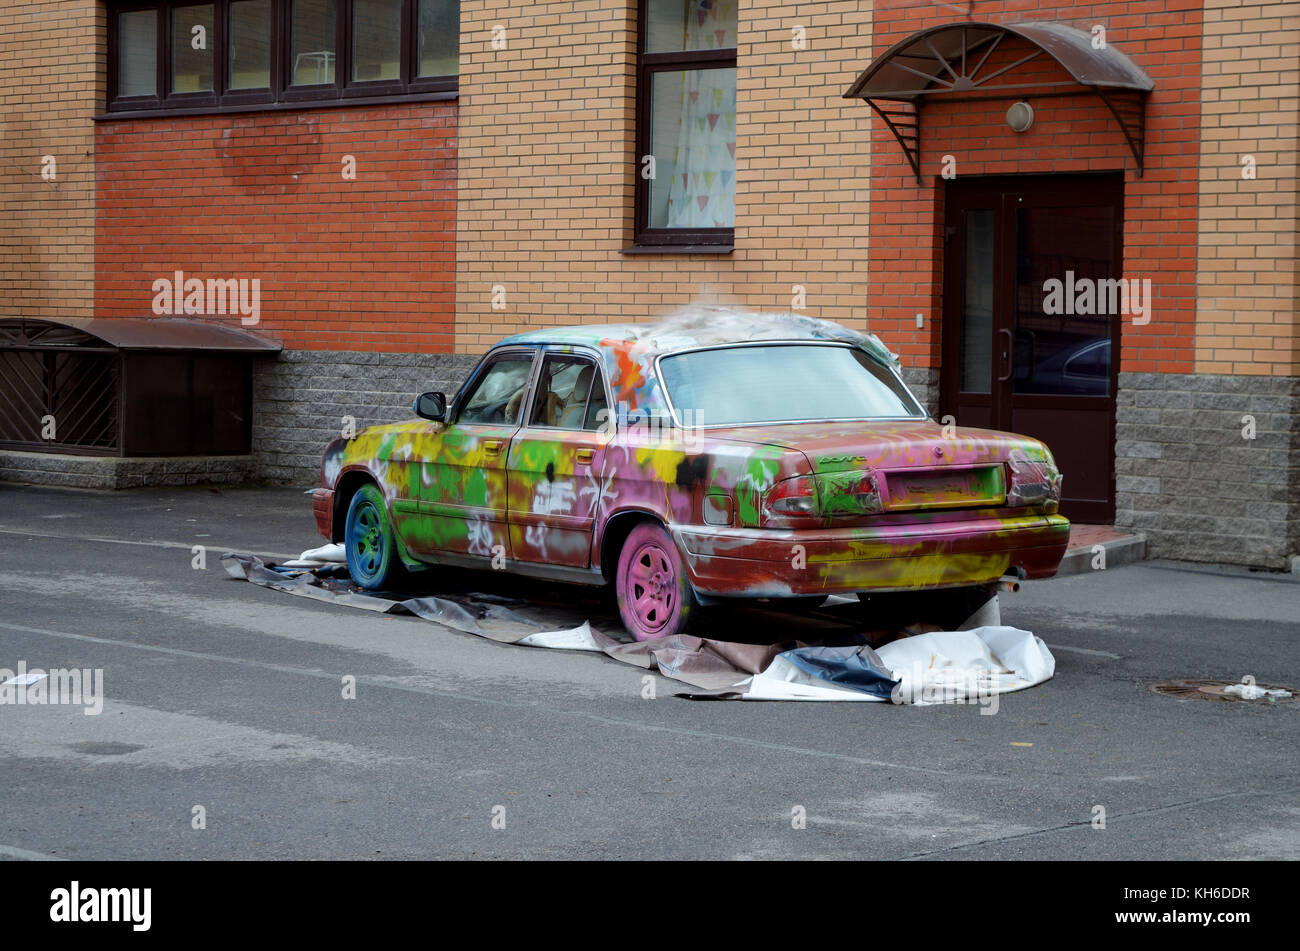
(548, 152)
(362, 264)
(1068, 135)
(1248, 294)
(52, 56)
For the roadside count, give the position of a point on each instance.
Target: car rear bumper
(740, 562)
(322, 506)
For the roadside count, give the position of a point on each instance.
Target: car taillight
(856, 492)
(793, 498)
(1033, 481)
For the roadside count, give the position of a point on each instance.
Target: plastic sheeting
(970, 665)
(941, 667)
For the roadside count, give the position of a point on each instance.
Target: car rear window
(732, 386)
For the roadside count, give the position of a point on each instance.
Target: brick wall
(1248, 298)
(1208, 463)
(52, 55)
(1068, 135)
(343, 264)
(547, 140)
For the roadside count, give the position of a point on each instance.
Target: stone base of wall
(114, 472)
(1188, 477)
(924, 385)
(300, 401)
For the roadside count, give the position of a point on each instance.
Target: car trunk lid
(865, 468)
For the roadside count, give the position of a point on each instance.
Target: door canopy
(948, 64)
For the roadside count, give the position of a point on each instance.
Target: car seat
(571, 410)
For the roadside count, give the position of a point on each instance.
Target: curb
(1119, 551)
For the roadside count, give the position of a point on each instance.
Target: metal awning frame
(114, 334)
(1105, 73)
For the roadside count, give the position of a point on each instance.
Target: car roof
(704, 326)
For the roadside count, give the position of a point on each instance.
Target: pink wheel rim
(651, 588)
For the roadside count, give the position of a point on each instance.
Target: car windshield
(732, 386)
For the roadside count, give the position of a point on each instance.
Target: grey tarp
(978, 660)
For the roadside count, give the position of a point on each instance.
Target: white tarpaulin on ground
(941, 667)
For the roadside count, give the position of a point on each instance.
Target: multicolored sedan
(715, 455)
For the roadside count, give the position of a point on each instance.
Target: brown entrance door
(1017, 355)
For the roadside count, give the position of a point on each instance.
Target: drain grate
(1215, 690)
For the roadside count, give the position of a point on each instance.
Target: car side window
(498, 393)
(569, 391)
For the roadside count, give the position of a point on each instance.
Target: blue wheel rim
(367, 544)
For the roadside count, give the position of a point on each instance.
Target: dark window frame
(280, 93)
(114, 55)
(216, 42)
(597, 381)
(648, 64)
(514, 354)
(254, 95)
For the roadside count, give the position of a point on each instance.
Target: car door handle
(583, 456)
(492, 446)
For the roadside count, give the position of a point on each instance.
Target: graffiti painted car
(714, 455)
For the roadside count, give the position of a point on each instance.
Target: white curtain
(701, 191)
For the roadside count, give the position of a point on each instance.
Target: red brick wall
(1068, 135)
(364, 264)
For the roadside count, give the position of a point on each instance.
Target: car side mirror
(431, 406)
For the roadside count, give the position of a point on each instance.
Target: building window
(313, 51)
(137, 59)
(376, 40)
(250, 44)
(230, 53)
(437, 39)
(193, 33)
(687, 123)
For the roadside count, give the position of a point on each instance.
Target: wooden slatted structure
(127, 387)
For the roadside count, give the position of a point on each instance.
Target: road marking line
(186, 546)
(16, 853)
(961, 774)
(1084, 650)
(1110, 817)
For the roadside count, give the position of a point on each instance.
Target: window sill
(679, 249)
(297, 105)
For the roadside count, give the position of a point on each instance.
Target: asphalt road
(227, 696)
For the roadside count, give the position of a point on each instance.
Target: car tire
(655, 598)
(373, 561)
